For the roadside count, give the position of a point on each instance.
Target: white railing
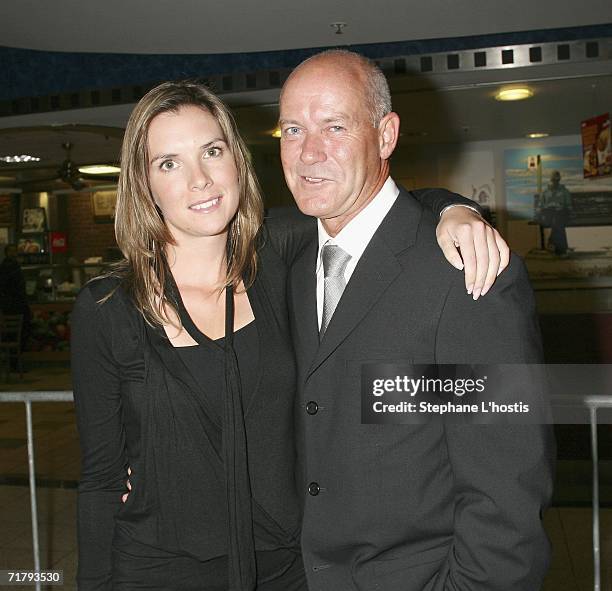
(28, 398)
(592, 403)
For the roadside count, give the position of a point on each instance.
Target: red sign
(59, 242)
(596, 150)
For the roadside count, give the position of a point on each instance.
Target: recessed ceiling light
(518, 93)
(276, 133)
(19, 158)
(537, 135)
(99, 169)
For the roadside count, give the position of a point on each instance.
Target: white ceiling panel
(194, 26)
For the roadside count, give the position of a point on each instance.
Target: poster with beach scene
(591, 200)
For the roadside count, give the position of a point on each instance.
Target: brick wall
(86, 238)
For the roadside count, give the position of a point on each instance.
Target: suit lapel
(373, 275)
(303, 295)
(375, 271)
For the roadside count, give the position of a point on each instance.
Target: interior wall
(86, 238)
(454, 166)
(266, 161)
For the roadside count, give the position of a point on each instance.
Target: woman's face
(192, 173)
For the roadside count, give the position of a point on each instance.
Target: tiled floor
(57, 468)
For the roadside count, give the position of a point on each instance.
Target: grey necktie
(334, 264)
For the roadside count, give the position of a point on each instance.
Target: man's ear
(388, 134)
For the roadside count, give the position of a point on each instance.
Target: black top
(139, 404)
(205, 362)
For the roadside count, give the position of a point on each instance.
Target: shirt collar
(356, 235)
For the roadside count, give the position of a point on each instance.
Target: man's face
(330, 151)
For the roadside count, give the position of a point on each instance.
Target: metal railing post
(28, 398)
(595, 461)
(32, 478)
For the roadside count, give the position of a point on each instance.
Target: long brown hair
(140, 229)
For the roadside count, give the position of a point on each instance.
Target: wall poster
(596, 151)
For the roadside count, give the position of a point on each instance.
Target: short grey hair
(376, 85)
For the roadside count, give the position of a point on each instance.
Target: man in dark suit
(421, 507)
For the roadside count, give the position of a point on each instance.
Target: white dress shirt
(356, 235)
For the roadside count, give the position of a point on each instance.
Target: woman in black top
(183, 368)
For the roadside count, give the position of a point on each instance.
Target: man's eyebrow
(332, 118)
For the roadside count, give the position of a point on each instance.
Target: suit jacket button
(312, 408)
(313, 489)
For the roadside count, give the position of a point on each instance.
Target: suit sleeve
(97, 398)
(503, 474)
(437, 200)
(288, 231)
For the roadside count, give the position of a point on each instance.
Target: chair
(10, 342)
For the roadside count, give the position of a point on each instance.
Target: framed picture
(34, 220)
(104, 204)
(32, 249)
(31, 245)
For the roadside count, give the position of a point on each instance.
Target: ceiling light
(537, 135)
(99, 169)
(19, 158)
(276, 133)
(517, 93)
(339, 26)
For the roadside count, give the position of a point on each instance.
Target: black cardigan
(138, 404)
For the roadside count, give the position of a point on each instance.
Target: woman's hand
(125, 496)
(484, 253)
